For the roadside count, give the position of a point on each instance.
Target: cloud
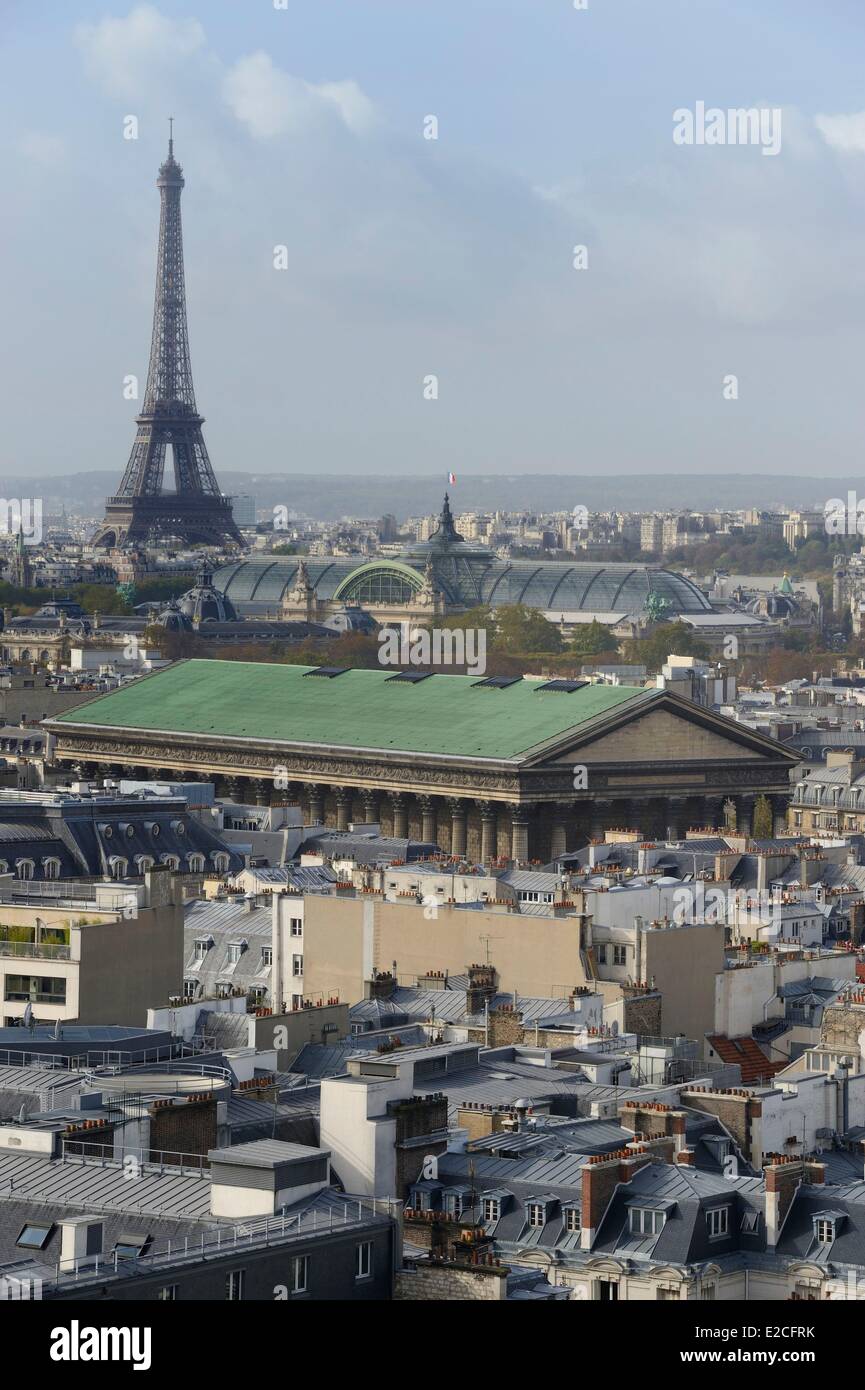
(140, 57)
(844, 133)
(121, 53)
(271, 102)
(42, 148)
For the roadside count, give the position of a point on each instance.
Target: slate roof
(85, 832)
(226, 922)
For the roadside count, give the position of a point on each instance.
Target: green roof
(358, 709)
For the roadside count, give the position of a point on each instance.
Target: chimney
(601, 1175)
(482, 986)
(784, 1176)
(80, 1239)
(655, 1120)
(381, 986)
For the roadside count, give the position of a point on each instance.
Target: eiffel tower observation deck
(196, 511)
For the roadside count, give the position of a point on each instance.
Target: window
(234, 1285)
(645, 1221)
(171, 861)
(363, 1260)
(454, 1203)
(668, 1295)
(296, 926)
(235, 951)
(608, 1291)
(35, 1235)
(266, 956)
(297, 965)
(190, 988)
(143, 862)
(717, 1222)
(602, 955)
(51, 868)
(129, 1245)
(35, 989)
(824, 1231)
(537, 1214)
(300, 1274)
(202, 946)
(118, 866)
(751, 1222)
(572, 1218)
(168, 1293)
(620, 955)
(220, 862)
(707, 1293)
(492, 1208)
(24, 868)
(195, 863)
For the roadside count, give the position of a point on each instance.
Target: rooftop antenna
(170, 137)
(486, 940)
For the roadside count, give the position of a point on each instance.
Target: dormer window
(425, 1197)
(24, 869)
(491, 1208)
(571, 1218)
(235, 951)
(718, 1222)
(718, 1145)
(536, 1214)
(647, 1221)
(826, 1225)
(202, 946)
(51, 868)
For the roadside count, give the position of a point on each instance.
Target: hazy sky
(407, 257)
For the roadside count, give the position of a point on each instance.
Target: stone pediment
(669, 729)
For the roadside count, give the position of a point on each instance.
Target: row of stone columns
(539, 831)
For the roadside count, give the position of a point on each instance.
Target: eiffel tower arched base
(137, 521)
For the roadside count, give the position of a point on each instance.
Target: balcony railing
(35, 950)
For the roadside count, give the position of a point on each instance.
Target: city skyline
(407, 257)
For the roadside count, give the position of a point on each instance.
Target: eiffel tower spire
(196, 510)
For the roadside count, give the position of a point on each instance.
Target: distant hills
(331, 496)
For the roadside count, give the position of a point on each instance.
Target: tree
(590, 639)
(670, 639)
(522, 629)
(762, 827)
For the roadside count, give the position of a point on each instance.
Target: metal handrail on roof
(267, 1231)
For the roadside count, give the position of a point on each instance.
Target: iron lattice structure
(196, 511)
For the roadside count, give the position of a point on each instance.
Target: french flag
(452, 477)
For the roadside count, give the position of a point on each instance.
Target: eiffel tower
(196, 511)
